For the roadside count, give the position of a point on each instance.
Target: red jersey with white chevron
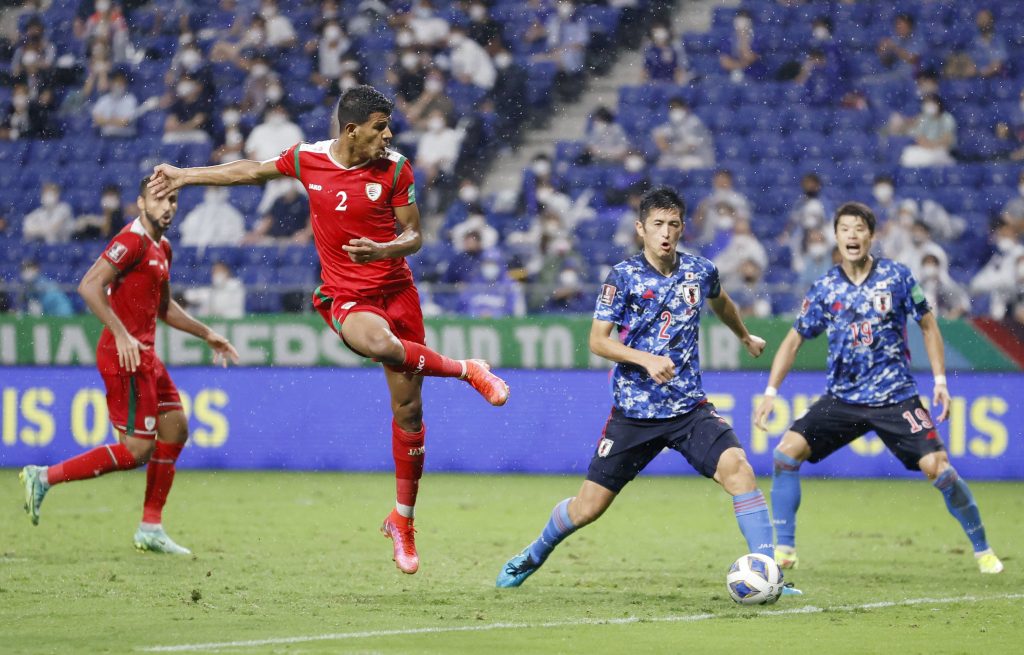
(348, 203)
(143, 269)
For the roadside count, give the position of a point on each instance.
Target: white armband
(940, 379)
(770, 392)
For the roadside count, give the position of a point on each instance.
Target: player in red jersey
(358, 189)
(128, 289)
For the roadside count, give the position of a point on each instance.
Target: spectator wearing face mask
(269, 139)
(934, 132)
(918, 246)
(467, 201)
(568, 296)
(741, 246)
(567, 36)
(620, 181)
(887, 204)
(490, 292)
(189, 114)
(684, 141)
(224, 298)
(482, 28)
(230, 136)
(750, 292)
(810, 210)
(436, 156)
(42, 296)
(286, 221)
(988, 53)
(469, 253)
(108, 24)
(717, 211)
(24, 118)
(280, 32)
(115, 112)
(814, 258)
(328, 52)
(105, 224)
(262, 86)
(469, 62)
(432, 100)
(51, 222)
(946, 297)
(1013, 211)
(213, 222)
(426, 27)
(901, 53)
(605, 139)
(407, 76)
(664, 61)
(35, 54)
(742, 59)
(999, 276)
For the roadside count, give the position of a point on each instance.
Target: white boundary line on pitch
(341, 636)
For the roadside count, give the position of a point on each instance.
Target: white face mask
(569, 278)
(490, 271)
(468, 194)
(332, 32)
(191, 58)
(930, 271)
(254, 35)
(103, 6)
(20, 101)
(820, 32)
(677, 115)
(231, 117)
(410, 60)
(724, 221)
(565, 10)
(478, 13)
(404, 39)
(456, 39)
(233, 138)
(435, 124)
(277, 118)
(1005, 244)
(433, 85)
(109, 203)
(347, 82)
(219, 277)
(817, 250)
(268, 11)
(741, 23)
(634, 164)
(260, 70)
(185, 88)
(118, 89)
(545, 193)
(502, 60)
(882, 192)
(275, 93)
(660, 35)
(29, 58)
(29, 275)
(49, 198)
(930, 109)
(541, 168)
(809, 220)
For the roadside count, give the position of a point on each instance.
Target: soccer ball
(754, 579)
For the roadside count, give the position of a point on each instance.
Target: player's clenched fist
(754, 345)
(661, 369)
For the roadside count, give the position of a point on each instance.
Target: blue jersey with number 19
(658, 314)
(867, 331)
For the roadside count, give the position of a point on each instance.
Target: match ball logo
(691, 294)
(373, 190)
(604, 447)
(117, 252)
(882, 302)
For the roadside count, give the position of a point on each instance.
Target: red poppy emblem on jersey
(648, 295)
(373, 190)
(608, 292)
(116, 252)
(691, 294)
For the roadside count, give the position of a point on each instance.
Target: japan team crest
(691, 294)
(373, 190)
(882, 301)
(604, 447)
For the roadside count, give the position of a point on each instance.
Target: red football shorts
(400, 309)
(134, 401)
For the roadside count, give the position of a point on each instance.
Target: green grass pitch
(288, 556)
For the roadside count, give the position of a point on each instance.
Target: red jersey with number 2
(349, 203)
(143, 269)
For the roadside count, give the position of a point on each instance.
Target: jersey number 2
(344, 199)
(667, 317)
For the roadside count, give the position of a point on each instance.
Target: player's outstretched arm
(179, 319)
(661, 369)
(936, 350)
(727, 312)
(781, 366)
(167, 178)
(93, 289)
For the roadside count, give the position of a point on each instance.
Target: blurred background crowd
(765, 123)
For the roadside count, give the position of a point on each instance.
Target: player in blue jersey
(863, 305)
(653, 302)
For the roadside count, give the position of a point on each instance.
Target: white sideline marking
(340, 636)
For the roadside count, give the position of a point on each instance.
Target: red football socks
(420, 360)
(96, 462)
(407, 449)
(159, 478)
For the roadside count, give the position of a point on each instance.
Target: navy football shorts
(629, 444)
(905, 428)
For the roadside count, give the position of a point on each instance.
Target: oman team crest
(691, 294)
(882, 302)
(373, 190)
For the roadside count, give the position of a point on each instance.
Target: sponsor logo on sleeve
(608, 292)
(117, 252)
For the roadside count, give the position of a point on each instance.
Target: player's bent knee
(382, 345)
(734, 472)
(934, 464)
(141, 449)
(794, 445)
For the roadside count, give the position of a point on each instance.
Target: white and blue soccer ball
(754, 579)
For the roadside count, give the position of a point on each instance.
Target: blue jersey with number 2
(661, 315)
(868, 359)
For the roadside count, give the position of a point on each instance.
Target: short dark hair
(143, 185)
(661, 197)
(359, 103)
(858, 209)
